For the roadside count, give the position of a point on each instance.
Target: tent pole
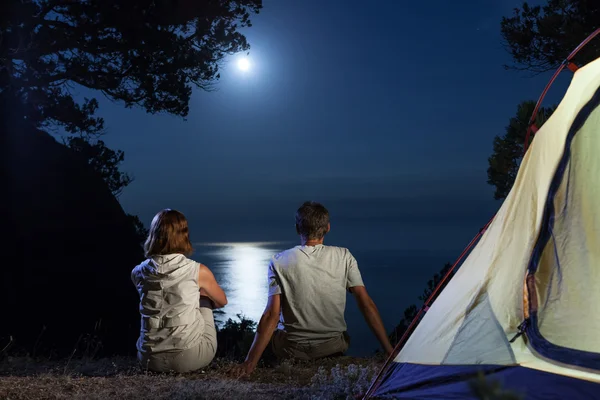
(422, 310)
(531, 128)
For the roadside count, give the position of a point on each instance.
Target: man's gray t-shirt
(312, 282)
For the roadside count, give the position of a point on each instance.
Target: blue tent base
(449, 382)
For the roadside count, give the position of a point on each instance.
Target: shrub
(235, 338)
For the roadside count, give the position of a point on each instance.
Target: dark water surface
(394, 278)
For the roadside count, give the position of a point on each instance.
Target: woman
(177, 296)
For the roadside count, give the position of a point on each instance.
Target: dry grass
(137, 387)
(120, 378)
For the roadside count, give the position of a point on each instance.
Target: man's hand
(264, 332)
(244, 369)
(389, 350)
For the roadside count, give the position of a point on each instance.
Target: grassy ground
(24, 378)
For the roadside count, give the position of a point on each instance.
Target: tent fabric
(414, 381)
(538, 262)
(566, 257)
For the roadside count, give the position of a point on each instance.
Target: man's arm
(264, 332)
(371, 314)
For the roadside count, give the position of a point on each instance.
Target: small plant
(342, 383)
(235, 338)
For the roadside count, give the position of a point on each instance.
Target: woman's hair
(169, 234)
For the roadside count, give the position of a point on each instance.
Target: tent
(524, 308)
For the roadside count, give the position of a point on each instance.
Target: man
(304, 316)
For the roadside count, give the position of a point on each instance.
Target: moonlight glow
(243, 64)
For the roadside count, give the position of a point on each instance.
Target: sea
(394, 279)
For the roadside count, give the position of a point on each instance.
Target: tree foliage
(539, 38)
(139, 52)
(147, 53)
(235, 338)
(409, 315)
(106, 163)
(411, 312)
(103, 160)
(508, 149)
(433, 282)
(141, 231)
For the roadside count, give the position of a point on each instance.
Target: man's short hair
(312, 220)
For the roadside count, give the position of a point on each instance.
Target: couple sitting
(304, 317)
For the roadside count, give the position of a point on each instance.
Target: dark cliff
(68, 250)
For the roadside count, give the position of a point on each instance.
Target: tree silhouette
(140, 230)
(411, 311)
(147, 53)
(103, 160)
(508, 149)
(540, 38)
(433, 282)
(409, 315)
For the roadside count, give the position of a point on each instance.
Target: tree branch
(50, 5)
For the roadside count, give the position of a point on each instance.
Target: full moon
(243, 64)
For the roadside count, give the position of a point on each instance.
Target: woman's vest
(169, 303)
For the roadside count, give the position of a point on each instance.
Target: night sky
(385, 111)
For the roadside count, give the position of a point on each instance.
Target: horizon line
(241, 244)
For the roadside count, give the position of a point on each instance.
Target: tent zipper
(520, 330)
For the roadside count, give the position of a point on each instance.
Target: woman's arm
(209, 286)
